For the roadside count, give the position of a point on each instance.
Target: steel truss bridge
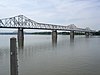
(21, 21)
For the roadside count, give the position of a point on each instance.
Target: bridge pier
(20, 38)
(54, 37)
(71, 34)
(87, 34)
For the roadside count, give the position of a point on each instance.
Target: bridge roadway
(21, 22)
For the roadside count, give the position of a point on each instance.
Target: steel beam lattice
(21, 21)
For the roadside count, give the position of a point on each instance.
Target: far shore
(47, 33)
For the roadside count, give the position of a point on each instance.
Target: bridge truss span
(21, 21)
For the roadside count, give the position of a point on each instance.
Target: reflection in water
(72, 42)
(54, 43)
(87, 36)
(1, 55)
(20, 43)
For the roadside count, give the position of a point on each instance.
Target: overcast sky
(82, 13)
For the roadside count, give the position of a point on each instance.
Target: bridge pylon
(88, 34)
(71, 34)
(54, 37)
(20, 38)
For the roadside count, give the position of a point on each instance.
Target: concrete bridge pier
(87, 34)
(54, 37)
(71, 34)
(20, 38)
(90, 33)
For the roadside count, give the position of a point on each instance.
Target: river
(80, 56)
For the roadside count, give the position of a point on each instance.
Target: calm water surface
(78, 57)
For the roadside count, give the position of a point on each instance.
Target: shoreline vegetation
(48, 33)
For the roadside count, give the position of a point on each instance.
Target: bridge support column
(20, 38)
(54, 37)
(71, 34)
(90, 33)
(87, 34)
